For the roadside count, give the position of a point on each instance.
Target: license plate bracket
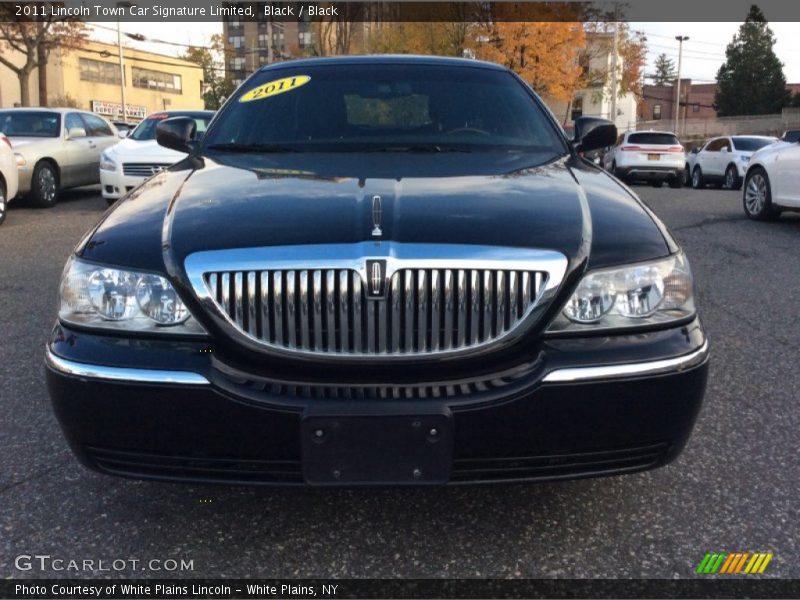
(377, 449)
(653, 157)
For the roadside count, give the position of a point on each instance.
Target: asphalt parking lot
(733, 489)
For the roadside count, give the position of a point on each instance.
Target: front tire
(757, 197)
(697, 179)
(44, 186)
(732, 179)
(3, 202)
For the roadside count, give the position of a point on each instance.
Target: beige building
(91, 76)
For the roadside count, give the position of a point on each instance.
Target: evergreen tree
(751, 80)
(665, 71)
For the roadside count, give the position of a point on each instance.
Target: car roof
(385, 59)
(187, 113)
(758, 137)
(650, 131)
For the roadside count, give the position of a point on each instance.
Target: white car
(139, 157)
(9, 178)
(723, 160)
(654, 156)
(772, 182)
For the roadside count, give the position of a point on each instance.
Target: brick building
(697, 101)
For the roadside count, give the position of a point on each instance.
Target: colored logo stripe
(734, 562)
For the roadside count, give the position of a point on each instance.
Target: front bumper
(173, 411)
(115, 184)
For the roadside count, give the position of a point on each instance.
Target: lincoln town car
(378, 270)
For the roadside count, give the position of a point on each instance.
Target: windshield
(665, 139)
(792, 136)
(751, 144)
(16, 123)
(383, 107)
(146, 130)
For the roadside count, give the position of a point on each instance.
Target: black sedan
(378, 270)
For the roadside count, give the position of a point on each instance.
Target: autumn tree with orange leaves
(544, 54)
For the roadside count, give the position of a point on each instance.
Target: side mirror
(177, 133)
(592, 133)
(695, 150)
(724, 150)
(123, 133)
(76, 132)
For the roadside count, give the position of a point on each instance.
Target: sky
(703, 53)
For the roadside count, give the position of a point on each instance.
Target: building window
(237, 64)
(304, 38)
(99, 71)
(156, 80)
(236, 41)
(577, 108)
(656, 112)
(695, 108)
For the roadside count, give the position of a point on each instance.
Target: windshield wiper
(420, 148)
(255, 148)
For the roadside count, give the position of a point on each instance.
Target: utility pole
(681, 39)
(614, 85)
(123, 5)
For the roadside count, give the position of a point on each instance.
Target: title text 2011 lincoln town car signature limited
(378, 270)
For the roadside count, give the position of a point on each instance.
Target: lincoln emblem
(376, 278)
(376, 216)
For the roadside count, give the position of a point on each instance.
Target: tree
(751, 80)
(34, 41)
(216, 85)
(665, 71)
(545, 54)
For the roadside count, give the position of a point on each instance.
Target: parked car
(654, 156)
(134, 159)
(772, 184)
(723, 160)
(9, 179)
(378, 270)
(791, 135)
(56, 148)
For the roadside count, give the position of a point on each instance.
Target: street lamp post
(681, 39)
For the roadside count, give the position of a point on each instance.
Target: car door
(102, 137)
(608, 157)
(723, 158)
(785, 176)
(77, 151)
(708, 156)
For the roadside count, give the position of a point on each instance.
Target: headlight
(21, 162)
(110, 298)
(635, 295)
(106, 164)
(745, 159)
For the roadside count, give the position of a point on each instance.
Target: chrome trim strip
(653, 367)
(124, 374)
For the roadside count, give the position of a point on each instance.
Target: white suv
(9, 178)
(724, 160)
(654, 156)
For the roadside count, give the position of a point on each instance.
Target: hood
(246, 201)
(145, 151)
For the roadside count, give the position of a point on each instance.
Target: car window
(714, 145)
(751, 144)
(792, 136)
(34, 123)
(726, 145)
(96, 126)
(376, 107)
(146, 130)
(74, 121)
(665, 139)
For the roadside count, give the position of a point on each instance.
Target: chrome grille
(142, 169)
(329, 311)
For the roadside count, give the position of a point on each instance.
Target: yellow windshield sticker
(273, 88)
